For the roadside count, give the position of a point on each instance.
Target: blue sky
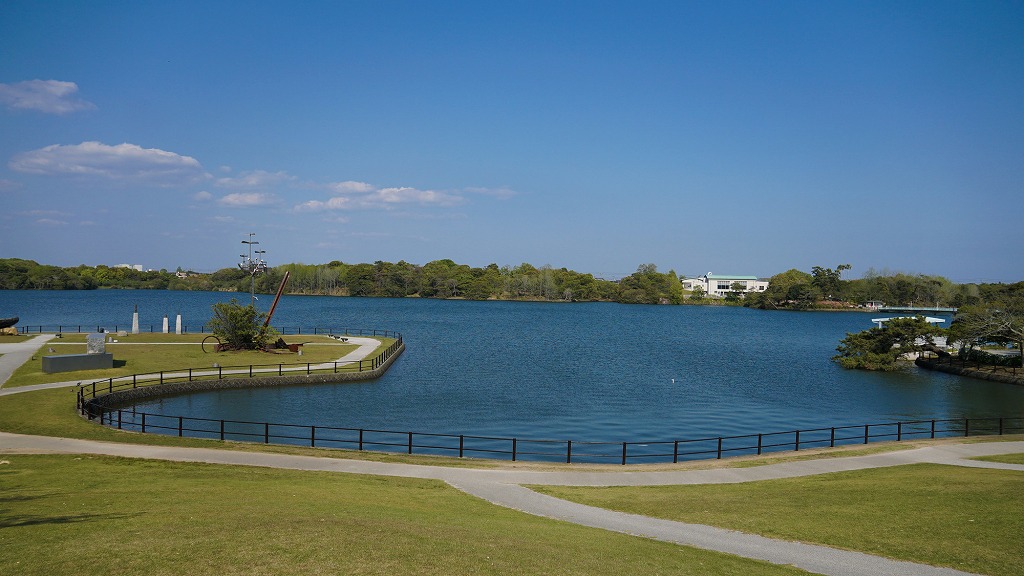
(731, 137)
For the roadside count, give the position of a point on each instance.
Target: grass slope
(96, 515)
(965, 518)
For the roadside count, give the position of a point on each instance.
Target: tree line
(825, 288)
(436, 279)
(792, 289)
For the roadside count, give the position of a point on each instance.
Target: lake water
(585, 371)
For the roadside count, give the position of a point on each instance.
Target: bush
(240, 327)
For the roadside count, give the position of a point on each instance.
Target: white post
(135, 320)
(165, 323)
(177, 325)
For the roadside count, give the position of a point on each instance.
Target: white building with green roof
(719, 285)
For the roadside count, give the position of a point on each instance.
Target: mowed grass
(86, 515)
(1004, 458)
(965, 518)
(152, 353)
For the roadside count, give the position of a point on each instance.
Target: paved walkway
(13, 355)
(504, 487)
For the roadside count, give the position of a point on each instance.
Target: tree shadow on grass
(8, 520)
(13, 521)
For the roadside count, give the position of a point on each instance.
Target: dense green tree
(784, 290)
(736, 292)
(240, 327)
(881, 348)
(828, 281)
(361, 280)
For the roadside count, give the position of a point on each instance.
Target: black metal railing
(92, 390)
(569, 451)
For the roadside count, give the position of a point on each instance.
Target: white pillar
(177, 324)
(165, 323)
(135, 320)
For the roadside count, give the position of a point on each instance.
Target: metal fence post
(675, 452)
(719, 448)
(462, 441)
(568, 452)
(797, 441)
(312, 436)
(623, 453)
(513, 449)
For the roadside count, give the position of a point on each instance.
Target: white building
(719, 286)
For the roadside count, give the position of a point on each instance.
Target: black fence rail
(155, 329)
(569, 451)
(1009, 364)
(91, 390)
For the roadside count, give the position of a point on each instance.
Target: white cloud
(362, 196)
(48, 96)
(202, 196)
(336, 203)
(247, 199)
(351, 187)
(386, 197)
(50, 222)
(7, 185)
(124, 162)
(223, 219)
(255, 179)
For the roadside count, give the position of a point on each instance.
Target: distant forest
(795, 289)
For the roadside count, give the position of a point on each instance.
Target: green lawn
(965, 518)
(176, 518)
(150, 353)
(98, 515)
(1004, 458)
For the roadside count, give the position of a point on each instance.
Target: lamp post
(253, 267)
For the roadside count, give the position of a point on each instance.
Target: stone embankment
(998, 374)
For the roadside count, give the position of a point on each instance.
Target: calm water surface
(589, 371)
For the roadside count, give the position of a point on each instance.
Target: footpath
(506, 487)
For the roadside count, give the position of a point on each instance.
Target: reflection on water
(603, 372)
